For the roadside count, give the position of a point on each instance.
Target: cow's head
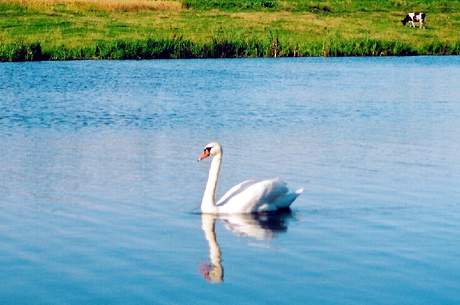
(405, 20)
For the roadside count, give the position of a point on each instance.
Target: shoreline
(186, 49)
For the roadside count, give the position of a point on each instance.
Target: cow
(414, 17)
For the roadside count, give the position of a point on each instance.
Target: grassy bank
(129, 29)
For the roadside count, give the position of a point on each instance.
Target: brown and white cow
(414, 17)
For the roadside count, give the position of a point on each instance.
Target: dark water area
(100, 188)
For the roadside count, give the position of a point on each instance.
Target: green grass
(231, 28)
(230, 5)
(325, 6)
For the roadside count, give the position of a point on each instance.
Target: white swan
(247, 197)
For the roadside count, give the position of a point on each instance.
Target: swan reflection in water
(257, 226)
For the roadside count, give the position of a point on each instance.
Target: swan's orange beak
(204, 155)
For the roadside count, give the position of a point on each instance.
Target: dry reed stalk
(104, 5)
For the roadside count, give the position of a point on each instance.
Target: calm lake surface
(100, 186)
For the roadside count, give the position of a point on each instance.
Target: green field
(130, 29)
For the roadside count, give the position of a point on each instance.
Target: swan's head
(212, 149)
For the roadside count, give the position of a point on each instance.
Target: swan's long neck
(208, 204)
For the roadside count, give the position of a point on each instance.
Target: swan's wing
(278, 195)
(274, 188)
(249, 195)
(235, 190)
(262, 196)
(274, 195)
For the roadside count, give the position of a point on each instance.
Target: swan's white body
(247, 197)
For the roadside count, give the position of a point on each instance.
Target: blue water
(100, 186)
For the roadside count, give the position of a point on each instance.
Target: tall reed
(172, 48)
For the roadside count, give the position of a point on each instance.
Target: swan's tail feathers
(287, 199)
